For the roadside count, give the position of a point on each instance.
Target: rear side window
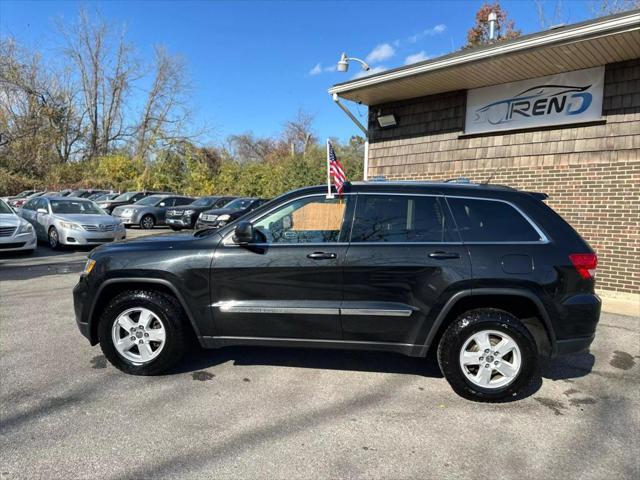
(400, 218)
(491, 221)
(183, 201)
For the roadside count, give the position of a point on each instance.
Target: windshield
(204, 202)
(4, 208)
(76, 207)
(125, 197)
(150, 201)
(239, 203)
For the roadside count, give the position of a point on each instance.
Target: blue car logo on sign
(537, 101)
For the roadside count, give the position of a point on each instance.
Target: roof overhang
(583, 45)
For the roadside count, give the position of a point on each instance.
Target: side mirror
(43, 211)
(243, 234)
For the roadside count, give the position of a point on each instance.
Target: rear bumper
(574, 345)
(576, 323)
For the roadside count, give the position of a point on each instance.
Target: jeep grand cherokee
(489, 276)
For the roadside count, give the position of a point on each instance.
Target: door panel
(404, 259)
(276, 291)
(289, 283)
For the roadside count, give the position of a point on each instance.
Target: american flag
(336, 169)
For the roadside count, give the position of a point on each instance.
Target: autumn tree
(504, 29)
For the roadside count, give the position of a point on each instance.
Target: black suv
(219, 217)
(186, 216)
(488, 276)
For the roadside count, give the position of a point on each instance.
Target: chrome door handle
(321, 256)
(444, 255)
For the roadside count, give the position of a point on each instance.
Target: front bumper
(200, 224)
(81, 237)
(182, 222)
(18, 243)
(81, 305)
(133, 219)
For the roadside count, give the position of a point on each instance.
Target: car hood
(133, 206)
(85, 219)
(223, 211)
(9, 220)
(163, 241)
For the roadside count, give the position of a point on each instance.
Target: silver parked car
(150, 211)
(16, 234)
(71, 221)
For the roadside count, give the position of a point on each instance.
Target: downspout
(361, 127)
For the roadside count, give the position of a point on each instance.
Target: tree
(165, 114)
(601, 8)
(297, 134)
(105, 67)
(479, 33)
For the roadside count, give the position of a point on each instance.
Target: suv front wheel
(142, 332)
(488, 355)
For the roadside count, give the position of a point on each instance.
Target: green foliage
(118, 172)
(195, 171)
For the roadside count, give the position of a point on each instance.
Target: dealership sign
(571, 97)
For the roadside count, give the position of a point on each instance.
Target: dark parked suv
(219, 217)
(186, 217)
(488, 276)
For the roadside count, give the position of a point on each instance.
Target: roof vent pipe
(493, 18)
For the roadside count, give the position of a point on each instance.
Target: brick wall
(592, 173)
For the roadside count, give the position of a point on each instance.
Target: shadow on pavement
(360, 361)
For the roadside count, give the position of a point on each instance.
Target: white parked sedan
(16, 234)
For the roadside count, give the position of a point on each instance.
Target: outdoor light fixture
(343, 63)
(387, 120)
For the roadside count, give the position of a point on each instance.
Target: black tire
(486, 319)
(147, 222)
(172, 316)
(175, 229)
(54, 238)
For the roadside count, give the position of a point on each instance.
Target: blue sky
(254, 64)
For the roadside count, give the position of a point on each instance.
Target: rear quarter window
(491, 221)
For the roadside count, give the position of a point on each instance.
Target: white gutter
(627, 23)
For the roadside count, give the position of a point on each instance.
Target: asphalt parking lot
(272, 413)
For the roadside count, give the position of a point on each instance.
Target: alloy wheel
(138, 335)
(490, 359)
(54, 240)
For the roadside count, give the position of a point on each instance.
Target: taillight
(585, 264)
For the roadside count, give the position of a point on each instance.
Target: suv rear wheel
(142, 332)
(488, 355)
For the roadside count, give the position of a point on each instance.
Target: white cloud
(317, 70)
(363, 73)
(416, 57)
(429, 32)
(380, 53)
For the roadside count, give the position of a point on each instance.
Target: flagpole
(329, 194)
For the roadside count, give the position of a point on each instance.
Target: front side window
(150, 201)
(401, 218)
(306, 220)
(491, 221)
(30, 205)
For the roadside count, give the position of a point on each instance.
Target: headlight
(89, 266)
(70, 226)
(223, 218)
(188, 212)
(127, 212)
(26, 227)
(103, 205)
